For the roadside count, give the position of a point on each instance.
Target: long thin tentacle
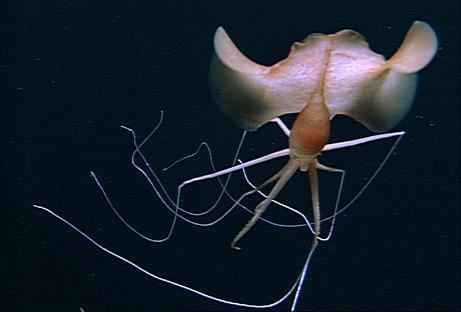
(286, 174)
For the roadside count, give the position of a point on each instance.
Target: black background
(74, 71)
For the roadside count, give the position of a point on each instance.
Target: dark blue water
(74, 71)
